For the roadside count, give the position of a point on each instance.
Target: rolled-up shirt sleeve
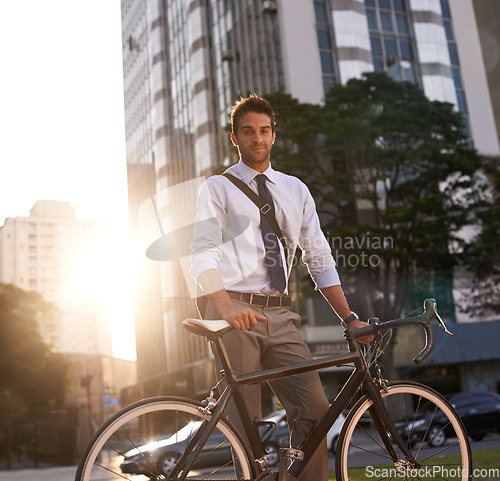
(316, 252)
(207, 240)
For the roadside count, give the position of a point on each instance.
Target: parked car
(479, 411)
(215, 452)
(163, 453)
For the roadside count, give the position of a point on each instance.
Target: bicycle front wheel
(146, 439)
(429, 426)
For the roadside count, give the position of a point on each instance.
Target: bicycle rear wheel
(427, 423)
(146, 439)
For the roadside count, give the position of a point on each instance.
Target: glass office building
(187, 61)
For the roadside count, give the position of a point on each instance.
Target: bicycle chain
(272, 476)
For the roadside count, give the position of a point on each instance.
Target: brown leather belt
(260, 299)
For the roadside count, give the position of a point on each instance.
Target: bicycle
(394, 429)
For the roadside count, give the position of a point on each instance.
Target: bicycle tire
(415, 409)
(149, 436)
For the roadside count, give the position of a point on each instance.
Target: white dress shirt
(239, 257)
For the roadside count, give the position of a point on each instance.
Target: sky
(62, 119)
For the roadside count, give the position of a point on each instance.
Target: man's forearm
(336, 298)
(213, 287)
(241, 318)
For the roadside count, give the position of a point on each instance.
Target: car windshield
(428, 408)
(275, 417)
(185, 433)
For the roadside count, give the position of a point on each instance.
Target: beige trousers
(271, 344)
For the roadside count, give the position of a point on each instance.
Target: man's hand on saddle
(356, 324)
(241, 318)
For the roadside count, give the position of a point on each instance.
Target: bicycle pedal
(291, 453)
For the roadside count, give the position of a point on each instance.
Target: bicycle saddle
(204, 327)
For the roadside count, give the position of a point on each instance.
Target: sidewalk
(64, 473)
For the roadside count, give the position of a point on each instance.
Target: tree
(33, 377)
(393, 178)
(482, 296)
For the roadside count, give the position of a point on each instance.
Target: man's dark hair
(253, 103)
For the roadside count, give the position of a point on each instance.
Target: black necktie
(271, 242)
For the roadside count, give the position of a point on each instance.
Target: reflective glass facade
(455, 64)
(391, 38)
(324, 32)
(136, 73)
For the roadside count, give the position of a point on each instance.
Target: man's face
(254, 139)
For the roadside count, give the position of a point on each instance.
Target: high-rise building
(42, 252)
(187, 61)
(487, 15)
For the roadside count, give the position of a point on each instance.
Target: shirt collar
(248, 174)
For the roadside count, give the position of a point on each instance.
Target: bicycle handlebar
(424, 320)
(207, 328)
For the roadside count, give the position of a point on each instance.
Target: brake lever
(441, 323)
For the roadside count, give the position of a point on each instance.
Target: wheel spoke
(149, 437)
(353, 446)
(441, 451)
(422, 417)
(378, 443)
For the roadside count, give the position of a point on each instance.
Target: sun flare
(106, 272)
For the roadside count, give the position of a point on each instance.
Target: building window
(391, 39)
(325, 44)
(320, 12)
(455, 65)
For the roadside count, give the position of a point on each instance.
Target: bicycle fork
(194, 447)
(384, 423)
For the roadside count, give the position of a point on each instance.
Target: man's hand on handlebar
(356, 324)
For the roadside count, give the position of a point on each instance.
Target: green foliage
(394, 180)
(33, 376)
(483, 297)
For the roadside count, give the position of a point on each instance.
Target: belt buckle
(254, 298)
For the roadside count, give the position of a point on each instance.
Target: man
(245, 275)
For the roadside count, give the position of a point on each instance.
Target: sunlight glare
(106, 272)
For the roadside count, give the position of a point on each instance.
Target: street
(67, 473)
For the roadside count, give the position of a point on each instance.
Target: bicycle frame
(359, 377)
(200, 420)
